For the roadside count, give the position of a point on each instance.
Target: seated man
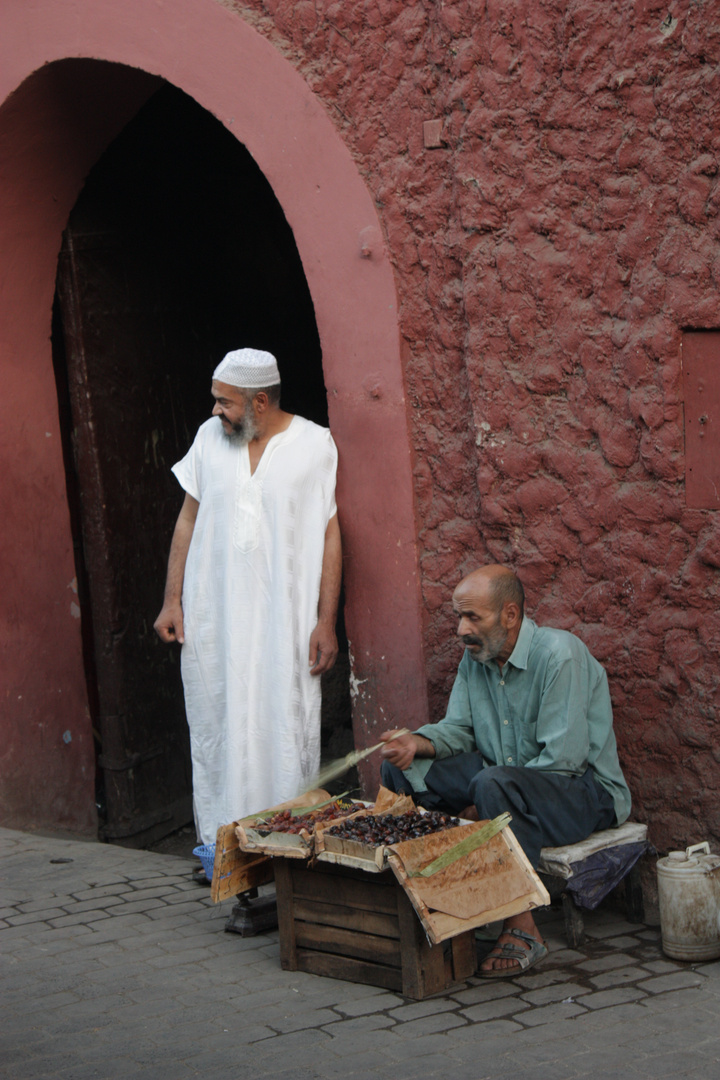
(528, 730)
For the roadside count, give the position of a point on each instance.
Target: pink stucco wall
(549, 254)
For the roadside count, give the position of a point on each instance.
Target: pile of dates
(392, 828)
(284, 821)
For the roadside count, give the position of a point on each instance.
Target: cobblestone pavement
(116, 964)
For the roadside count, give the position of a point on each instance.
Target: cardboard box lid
(490, 883)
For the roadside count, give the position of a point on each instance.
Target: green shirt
(547, 708)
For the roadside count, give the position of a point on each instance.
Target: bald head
(489, 604)
(497, 583)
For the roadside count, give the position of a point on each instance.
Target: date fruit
(392, 828)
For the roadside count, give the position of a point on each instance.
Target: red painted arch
(54, 124)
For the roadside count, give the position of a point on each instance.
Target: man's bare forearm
(169, 623)
(331, 576)
(182, 538)
(323, 640)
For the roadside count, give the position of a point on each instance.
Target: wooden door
(132, 381)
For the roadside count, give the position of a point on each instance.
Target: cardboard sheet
(234, 870)
(486, 885)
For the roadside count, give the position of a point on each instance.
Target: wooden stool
(562, 863)
(350, 924)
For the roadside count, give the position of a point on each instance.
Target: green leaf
(464, 847)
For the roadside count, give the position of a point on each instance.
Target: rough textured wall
(548, 256)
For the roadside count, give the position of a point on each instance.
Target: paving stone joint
(149, 975)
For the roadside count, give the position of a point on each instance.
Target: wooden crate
(353, 925)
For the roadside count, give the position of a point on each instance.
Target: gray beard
(242, 433)
(490, 647)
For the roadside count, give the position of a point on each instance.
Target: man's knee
(489, 789)
(496, 777)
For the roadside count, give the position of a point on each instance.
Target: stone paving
(114, 963)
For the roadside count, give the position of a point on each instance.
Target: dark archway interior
(197, 210)
(176, 251)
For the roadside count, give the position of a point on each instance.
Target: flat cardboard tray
(353, 854)
(288, 845)
(300, 845)
(236, 871)
(487, 885)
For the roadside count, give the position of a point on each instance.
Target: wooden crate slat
(464, 956)
(423, 967)
(362, 946)
(370, 922)
(375, 895)
(286, 919)
(349, 969)
(346, 873)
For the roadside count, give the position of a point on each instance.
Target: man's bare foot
(493, 961)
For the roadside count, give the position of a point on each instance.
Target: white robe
(250, 601)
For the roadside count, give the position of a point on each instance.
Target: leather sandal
(526, 958)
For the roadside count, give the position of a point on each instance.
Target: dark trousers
(548, 809)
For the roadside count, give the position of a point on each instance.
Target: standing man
(252, 593)
(528, 730)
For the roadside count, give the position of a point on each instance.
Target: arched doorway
(55, 123)
(176, 251)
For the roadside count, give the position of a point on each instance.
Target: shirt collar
(519, 656)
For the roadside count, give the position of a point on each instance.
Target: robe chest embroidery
(248, 512)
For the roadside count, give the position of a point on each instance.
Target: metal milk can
(689, 895)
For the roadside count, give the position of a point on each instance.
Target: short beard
(242, 431)
(491, 645)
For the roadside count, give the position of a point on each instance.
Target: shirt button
(502, 682)
(505, 722)
(509, 759)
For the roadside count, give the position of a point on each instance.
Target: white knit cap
(248, 369)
